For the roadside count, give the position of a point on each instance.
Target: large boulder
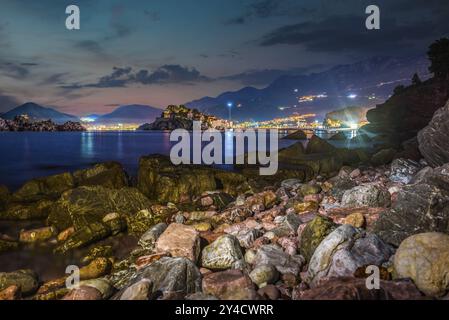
(345, 250)
(162, 181)
(297, 135)
(425, 259)
(314, 232)
(44, 188)
(167, 276)
(318, 145)
(108, 174)
(418, 208)
(433, 139)
(26, 280)
(4, 197)
(84, 205)
(27, 211)
(229, 285)
(368, 195)
(408, 111)
(180, 241)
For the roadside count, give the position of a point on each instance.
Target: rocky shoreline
(307, 233)
(23, 123)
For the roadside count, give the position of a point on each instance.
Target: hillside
(365, 83)
(36, 112)
(130, 114)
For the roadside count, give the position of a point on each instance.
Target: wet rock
(168, 275)
(160, 180)
(222, 254)
(44, 188)
(96, 269)
(103, 285)
(229, 285)
(349, 288)
(4, 197)
(314, 233)
(433, 141)
(37, 235)
(424, 258)
(84, 205)
(143, 220)
(98, 252)
(384, 156)
(10, 293)
(403, 170)
(340, 186)
(83, 293)
(250, 256)
(65, 234)
(27, 211)
(263, 275)
(369, 195)
(108, 174)
(144, 261)
(26, 280)
(115, 222)
(291, 184)
(418, 208)
(149, 238)
(273, 255)
(84, 237)
(219, 200)
(180, 241)
(138, 291)
(343, 251)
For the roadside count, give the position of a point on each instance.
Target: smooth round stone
(263, 275)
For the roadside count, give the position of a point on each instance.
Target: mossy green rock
(143, 220)
(315, 232)
(26, 280)
(27, 211)
(84, 205)
(44, 188)
(308, 189)
(108, 174)
(83, 237)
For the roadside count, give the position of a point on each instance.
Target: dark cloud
(269, 8)
(267, 76)
(15, 70)
(57, 78)
(121, 77)
(349, 34)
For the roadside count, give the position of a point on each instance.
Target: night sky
(160, 52)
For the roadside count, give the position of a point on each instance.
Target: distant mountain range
(39, 113)
(364, 84)
(135, 113)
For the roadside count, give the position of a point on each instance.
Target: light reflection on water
(30, 155)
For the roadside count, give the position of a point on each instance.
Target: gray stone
(343, 251)
(273, 255)
(368, 195)
(149, 238)
(222, 254)
(246, 237)
(403, 170)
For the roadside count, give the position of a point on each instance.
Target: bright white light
(230, 104)
(352, 96)
(296, 90)
(87, 119)
(353, 125)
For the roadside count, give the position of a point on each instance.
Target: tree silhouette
(439, 57)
